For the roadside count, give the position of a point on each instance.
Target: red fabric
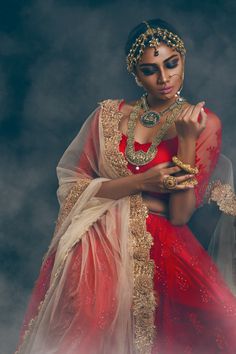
(208, 148)
(196, 312)
(38, 294)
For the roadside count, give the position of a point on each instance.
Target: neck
(158, 104)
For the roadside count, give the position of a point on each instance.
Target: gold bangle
(185, 166)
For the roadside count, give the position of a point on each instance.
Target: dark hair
(142, 27)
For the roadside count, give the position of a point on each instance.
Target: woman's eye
(148, 72)
(172, 64)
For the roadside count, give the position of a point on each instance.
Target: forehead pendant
(154, 41)
(153, 37)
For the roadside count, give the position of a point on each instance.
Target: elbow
(179, 220)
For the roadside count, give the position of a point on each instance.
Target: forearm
(182, 203)
(155, 204)
(120, 187)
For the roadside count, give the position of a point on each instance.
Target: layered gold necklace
(140, 157)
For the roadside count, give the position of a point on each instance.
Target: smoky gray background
(57, 60)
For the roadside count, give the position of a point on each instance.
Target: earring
(137, 81)
(177, 95)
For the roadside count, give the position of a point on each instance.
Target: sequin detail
(144, 298)
(224, 196)
(73, 195)
(140, 241)
(42, 305)
(110, 118)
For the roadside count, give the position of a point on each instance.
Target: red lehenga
(194, 313)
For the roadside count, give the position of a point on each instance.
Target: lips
(166, 90)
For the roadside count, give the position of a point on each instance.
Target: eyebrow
(154, 64)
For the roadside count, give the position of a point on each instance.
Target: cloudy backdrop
(57, 60)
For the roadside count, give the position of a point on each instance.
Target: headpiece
(152, 38)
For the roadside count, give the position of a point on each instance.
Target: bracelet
(185, 166)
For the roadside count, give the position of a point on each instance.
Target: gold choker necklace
(140, 158)
(151, 118)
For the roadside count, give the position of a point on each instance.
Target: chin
(166, 97)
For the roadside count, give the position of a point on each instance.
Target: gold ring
(170, 182)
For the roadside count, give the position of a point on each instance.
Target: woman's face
(161, 75)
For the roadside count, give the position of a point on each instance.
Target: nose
(163, 77)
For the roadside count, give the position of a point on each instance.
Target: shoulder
(119, 104)
(212, 134)
(110, 104)
(213, 121)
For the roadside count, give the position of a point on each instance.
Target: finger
(183, 110)
(203, 117)
(196, 111)
(184, 187)
(179, 188)
(184, 178)
(163, 165)
(184, 113)
(171, 170)
(188, 112)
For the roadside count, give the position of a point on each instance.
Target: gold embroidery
(110, 118)
(73, 195)
(224, 196)
(144, 300)
(140, 241)
(42, 304)
(70, 201)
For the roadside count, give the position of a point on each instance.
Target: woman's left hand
(187, 124)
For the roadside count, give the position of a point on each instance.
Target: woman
(124, 274)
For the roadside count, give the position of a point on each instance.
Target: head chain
(152, 38)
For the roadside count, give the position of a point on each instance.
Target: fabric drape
(95, 288)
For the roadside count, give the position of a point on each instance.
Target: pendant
(150, 119)
(180, 100)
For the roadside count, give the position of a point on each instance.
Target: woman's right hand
(149, 181)
(153, 179)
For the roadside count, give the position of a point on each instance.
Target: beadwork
(152, 38)
(150, 118)
(140, 158)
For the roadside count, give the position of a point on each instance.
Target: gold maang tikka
(153, 37)
(154, 41)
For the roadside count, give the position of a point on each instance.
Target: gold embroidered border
(144, 301)
(70, 201)
(110, 118)
(22, 347)
(73, 195)
(224, 196)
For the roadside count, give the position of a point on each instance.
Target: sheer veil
(101, 246)
(96, 229)
(222, 245)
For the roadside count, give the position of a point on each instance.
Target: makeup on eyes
(172, 64)
(151, 68)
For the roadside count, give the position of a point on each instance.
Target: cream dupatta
(110, 231)
(118, 226)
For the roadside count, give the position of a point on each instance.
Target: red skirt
(196, 313)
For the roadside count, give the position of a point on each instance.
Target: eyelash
(170, 65)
